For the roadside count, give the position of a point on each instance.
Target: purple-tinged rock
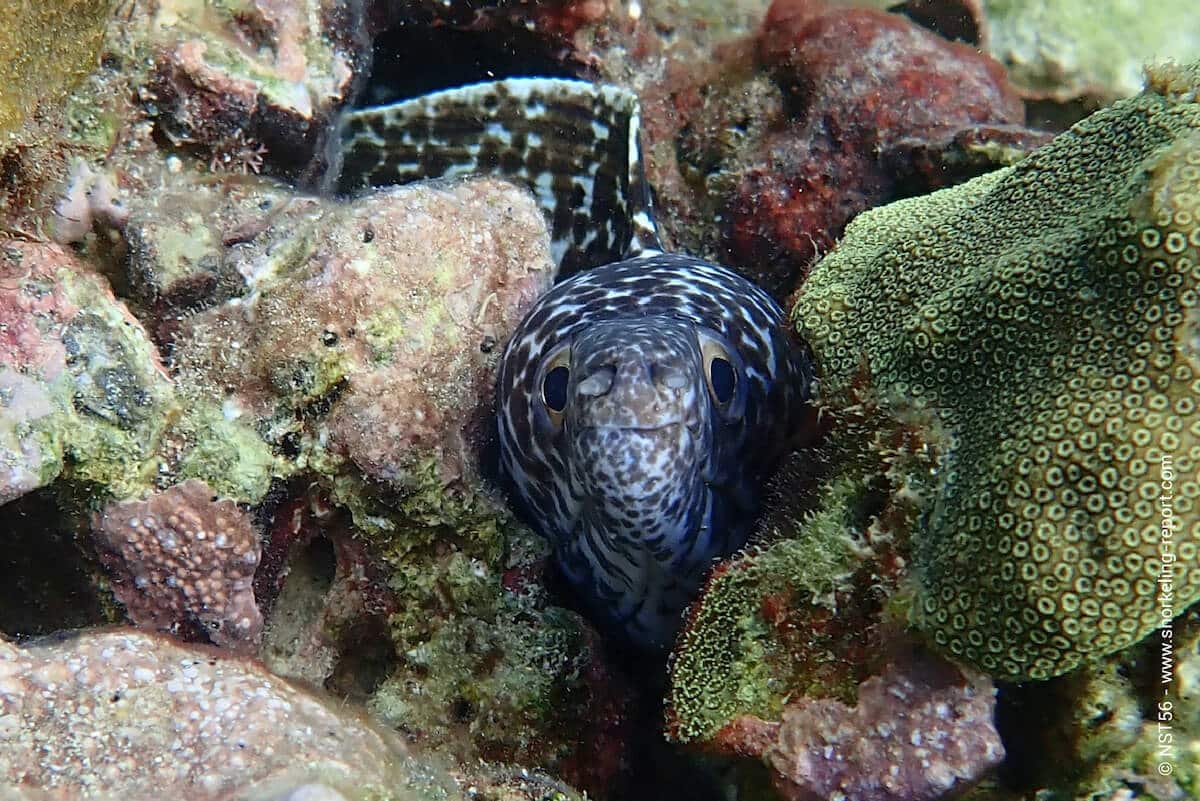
(917, 732)
(183, 561)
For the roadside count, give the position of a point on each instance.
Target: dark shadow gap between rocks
(45, 581)
(412, 60)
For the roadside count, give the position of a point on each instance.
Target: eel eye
(555, 378)
(719, 372)
(554, 388)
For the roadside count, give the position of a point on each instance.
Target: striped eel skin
(645, 399)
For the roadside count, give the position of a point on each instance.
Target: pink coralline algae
(30, 359)
(868, 95)
(183, 561)
(918, 732)
(82, 392)
(32, 302)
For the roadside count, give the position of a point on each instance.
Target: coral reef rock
(1087, 49)
(120, 713)
(47, 48)
(916, 733)
(361, 347)
(376, 321)
(178, 238)
(252, 83)
(326, 354)
(1043, 325)
(85, 394)
(183, 559)
(869, 97)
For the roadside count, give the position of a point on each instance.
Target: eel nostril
(669, 375)
(598, 383)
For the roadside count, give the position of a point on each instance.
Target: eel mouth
(665, 426)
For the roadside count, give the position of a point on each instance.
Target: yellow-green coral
(1046, 317)
(729, 661)
(47, 47)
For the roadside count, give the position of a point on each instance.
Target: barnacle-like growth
(1046, 317)
(182, 558)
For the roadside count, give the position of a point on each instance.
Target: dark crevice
(958, 23)
(411, 60)
(364, 667)
(46, 581)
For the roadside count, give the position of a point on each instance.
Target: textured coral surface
(1044, 319)
(123, 714)
(811, 615)
(728, 662)
(913, 735)
(182, 558)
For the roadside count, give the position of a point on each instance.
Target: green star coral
(1046, 317)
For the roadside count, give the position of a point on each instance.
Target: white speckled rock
(132, 715)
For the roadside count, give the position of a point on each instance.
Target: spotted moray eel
(646, 398)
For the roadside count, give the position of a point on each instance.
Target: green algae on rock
(87, 396)
(47, 47)
(728, 661)
(485, 672)
(817, 611)
(1044, 317)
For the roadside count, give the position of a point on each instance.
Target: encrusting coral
(1043, 323)
(183, 559)
(918, 732)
